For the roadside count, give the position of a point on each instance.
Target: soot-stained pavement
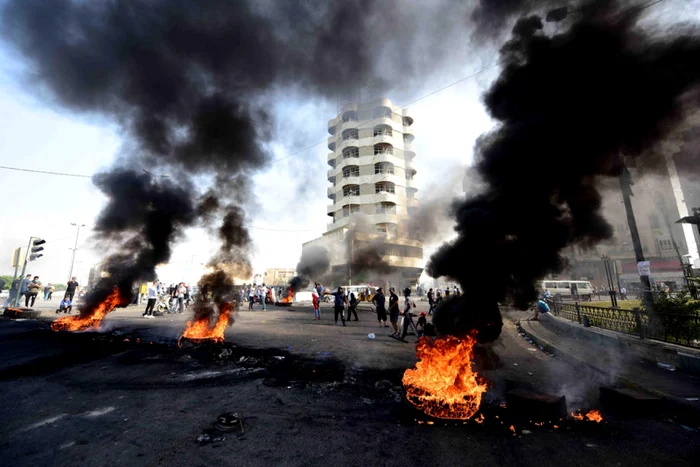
(307, 394)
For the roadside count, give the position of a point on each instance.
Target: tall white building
(371, 175)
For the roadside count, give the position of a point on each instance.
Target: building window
(666, 244)
(384, 187)
(382, 130)
(351, 171)
(351, 190)
(350, 209)
(351, 152)
(384, 168)
(350, 134)
(385, 208)
(383, 148)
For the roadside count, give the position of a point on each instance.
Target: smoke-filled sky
(38, 131)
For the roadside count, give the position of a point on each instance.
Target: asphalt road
(309, 393)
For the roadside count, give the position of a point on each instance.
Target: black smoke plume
(186, 81)
(313, 265)
(568, 107)
(144, 219)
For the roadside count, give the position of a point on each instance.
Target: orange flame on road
(591, 416)
(594, 416)
(288, 297)
(88, 319)
(443, 384)
(201, 329)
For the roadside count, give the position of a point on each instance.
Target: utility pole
(608, 276)
(75, 248)
(626, 188)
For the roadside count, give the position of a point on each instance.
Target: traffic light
(36, 248)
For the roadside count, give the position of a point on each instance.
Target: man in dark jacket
(339, 304)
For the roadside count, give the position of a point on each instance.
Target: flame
(512, 428)
(443, 384)
(201, 329)
(594, 416)
(288, 297)
(89, 319)
(480, 419)
(591, 416)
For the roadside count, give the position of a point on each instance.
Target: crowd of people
(172, 299)
(26, 290)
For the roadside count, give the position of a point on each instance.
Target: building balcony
(384, 218)
(377, 121)
(350, 125)
(331, 143)
(409, 154)
(393, 158)
(412, 202)
(331, 159)
(383, 138)
(330, 192)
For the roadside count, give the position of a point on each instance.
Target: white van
(570, 288)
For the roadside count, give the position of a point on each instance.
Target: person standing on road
(152, 297)
(13, 293)
(352, 306)
(339, 305)
(394, 312)
(315, 299)
(52, 289)
(47, 291)
(181, 289)
(379, 301)
(263, 296)
(251, 298)
(35, 287)
(431, 301)
(71, 287)
(407, 316)
(24, 287)
(623, 293)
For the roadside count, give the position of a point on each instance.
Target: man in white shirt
(152, 296)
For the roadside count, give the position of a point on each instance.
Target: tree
(8, 282)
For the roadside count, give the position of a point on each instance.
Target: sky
(289, 196)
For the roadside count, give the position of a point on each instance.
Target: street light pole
(75, 248)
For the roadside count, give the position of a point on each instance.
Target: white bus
(570, 289)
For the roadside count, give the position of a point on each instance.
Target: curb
(673, 402)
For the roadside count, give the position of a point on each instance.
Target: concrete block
(689, 363)
(630, 402)
(529, 405)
